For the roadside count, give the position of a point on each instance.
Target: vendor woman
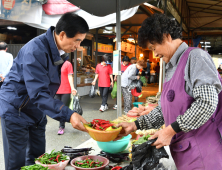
(190, 101)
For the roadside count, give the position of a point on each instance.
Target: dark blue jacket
(26, 95)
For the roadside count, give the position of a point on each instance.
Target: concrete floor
(73, 137)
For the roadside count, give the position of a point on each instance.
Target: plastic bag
(75, 106)
(114, 91)
(92, 93)
(145, 156)
(136, 84)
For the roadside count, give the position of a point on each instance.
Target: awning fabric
(92, 20)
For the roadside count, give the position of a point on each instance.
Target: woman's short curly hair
(154, 28)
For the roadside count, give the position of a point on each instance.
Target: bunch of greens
(52, 158)
(141, 140)
(34, 167)
(88, 163)
(144, 80)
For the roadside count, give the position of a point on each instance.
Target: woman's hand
(74, 91)
(94, 82)
(137, 77)
(115, 78)
(111, 84)
(164, 137)
(127, 128)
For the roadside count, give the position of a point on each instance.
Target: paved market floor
(74, 137)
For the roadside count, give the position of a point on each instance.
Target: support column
(96, 57)
(118, 45)
(75, 69)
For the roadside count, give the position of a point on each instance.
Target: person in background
(190, 103)
(65, 89)
(220, 69)
(127, 77)
(27, 93)
(133, 60)
(6, 60)
(104, 73)
(126, 63)
(157, 71)
(148, 71)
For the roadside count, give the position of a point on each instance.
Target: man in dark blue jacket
(26, 96)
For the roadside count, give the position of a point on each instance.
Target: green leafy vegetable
(34, 167)
(52, 158)
(88, 163)
(142, 140)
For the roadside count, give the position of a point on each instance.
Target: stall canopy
(92, 20)
(105, 7)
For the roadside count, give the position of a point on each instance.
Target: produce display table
(168, 163)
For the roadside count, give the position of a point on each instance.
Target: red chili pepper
(97, 126)
(57, 158)
(63, 160)
(116, 168)
(79, 163)
(52, 158)
(91, 163)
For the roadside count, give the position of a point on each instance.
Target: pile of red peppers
(100, 124)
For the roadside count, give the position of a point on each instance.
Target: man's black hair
(71, 24)
(126, 58)
(106, 58)
(155, 27)
(3, 45)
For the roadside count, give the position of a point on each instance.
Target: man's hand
(164, 137)
(77, 122)
(127, 128)
(74, 91)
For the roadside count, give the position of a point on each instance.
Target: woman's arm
(70, 78)
(94, 81)
(111, 77)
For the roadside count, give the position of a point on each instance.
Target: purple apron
(198, 149)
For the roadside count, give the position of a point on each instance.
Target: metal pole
(165, 7)
(75, 69)
(188, 37)
(192, 40)
(118, 43)
(96, 86)
(135, 43)
(96, 47)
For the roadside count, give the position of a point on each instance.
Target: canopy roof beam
(207, 24)
(200, 3)
(205, 8)
(126, 31)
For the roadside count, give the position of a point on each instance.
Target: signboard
(116, 62)
(127, 47)
(104, 48)
(29, 11)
